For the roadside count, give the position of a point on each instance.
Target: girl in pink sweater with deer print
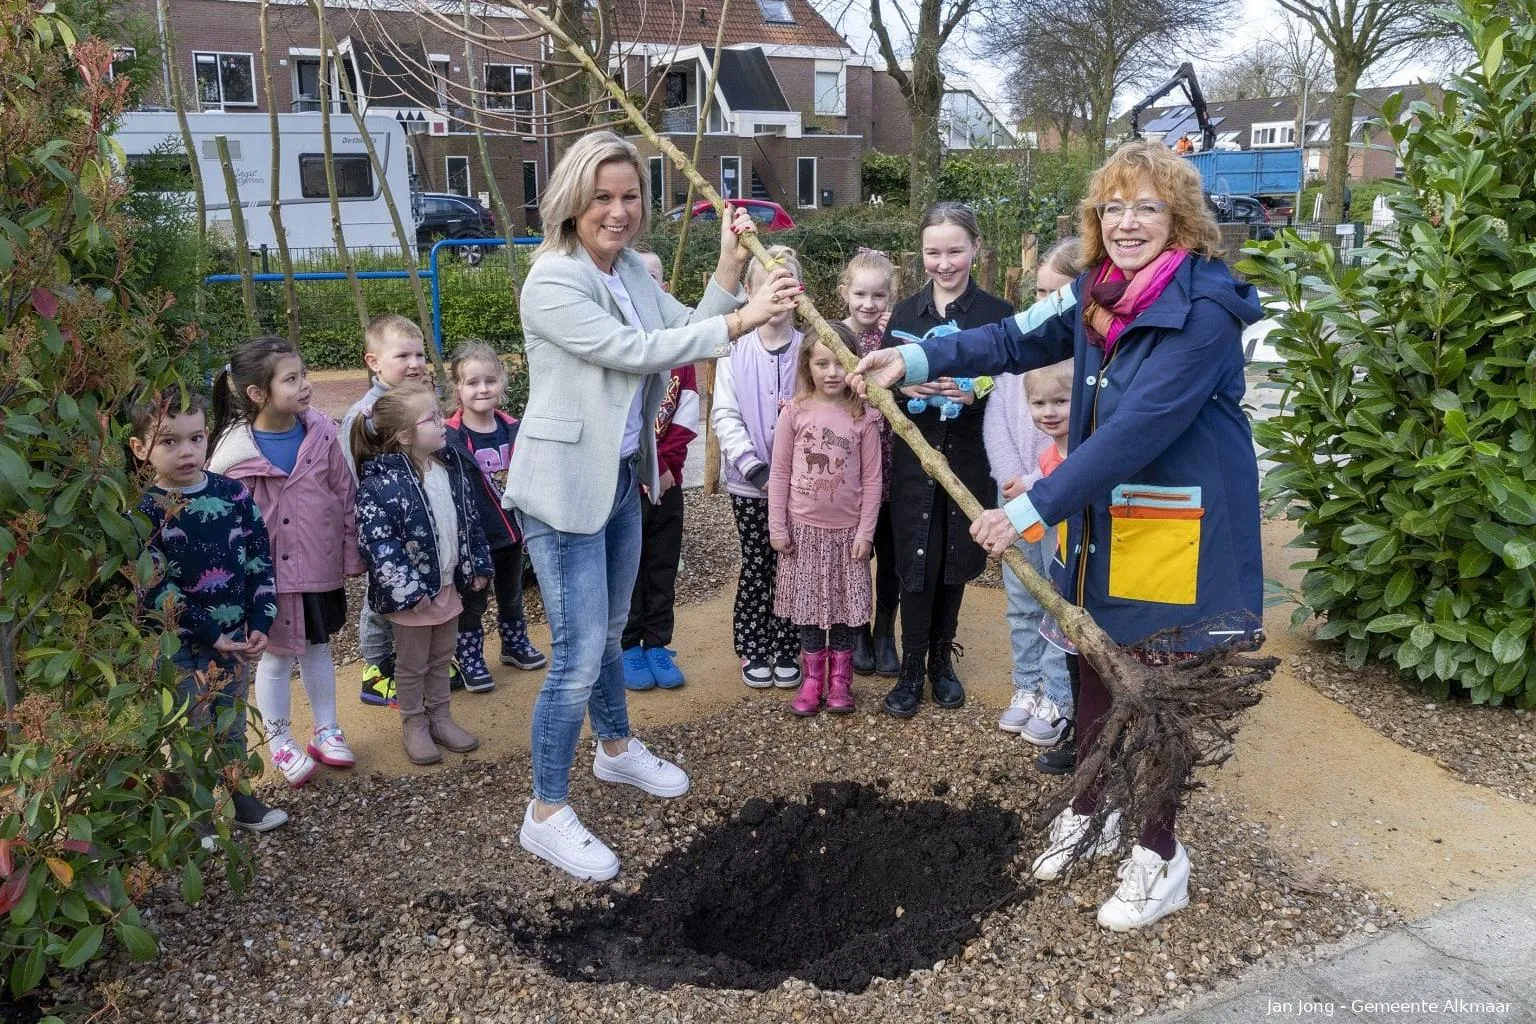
(823, 500)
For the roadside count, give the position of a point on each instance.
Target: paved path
(1471, 964)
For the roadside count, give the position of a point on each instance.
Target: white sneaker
(757, 674)
(1066, 832)
(565, 842)
(1046, 725)
(642, 769)
(1150, 888)
(329, 747)
(297, 767)
(1020, 709)
(786, 672)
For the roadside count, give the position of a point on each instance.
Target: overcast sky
(1260, 18)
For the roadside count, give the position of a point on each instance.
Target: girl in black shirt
(935, 556)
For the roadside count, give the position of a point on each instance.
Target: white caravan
(305, 197)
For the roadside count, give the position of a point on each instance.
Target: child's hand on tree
(783, 545)
(862, 549)
(478, 583)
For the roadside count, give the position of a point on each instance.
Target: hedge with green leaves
(1406, 449)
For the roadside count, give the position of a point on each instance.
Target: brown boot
(413, 720)
(440, 721)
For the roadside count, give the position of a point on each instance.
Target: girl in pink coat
(266, 435)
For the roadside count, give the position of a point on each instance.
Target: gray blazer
(585, 362)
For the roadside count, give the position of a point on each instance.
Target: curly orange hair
(1176, 183)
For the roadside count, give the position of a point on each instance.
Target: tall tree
(1095, 49)
(1361, 35)
(922, 86)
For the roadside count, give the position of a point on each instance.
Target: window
(730, 177)
(830, 91)
(306, 84)
(1273, 135)
(805, 178)
(354, 176)
(510, 87)
(776, 12)
(122, 56)
(530, 183)
(618, 70)
(456, 175)
(441, 83)
(224, 79)
(658, 168)
(678, 92)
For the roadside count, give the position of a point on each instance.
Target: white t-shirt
(636, 421)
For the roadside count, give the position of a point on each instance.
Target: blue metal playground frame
(429, 274)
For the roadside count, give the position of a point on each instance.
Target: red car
(769, 216)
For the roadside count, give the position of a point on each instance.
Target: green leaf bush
(105, 779)
(1406, 448)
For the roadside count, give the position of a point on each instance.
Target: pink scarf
(1114, 300)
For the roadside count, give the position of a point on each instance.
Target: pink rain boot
(840, 699)
(813, 686)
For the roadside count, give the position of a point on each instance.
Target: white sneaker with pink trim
(297, 767)
(329, 747)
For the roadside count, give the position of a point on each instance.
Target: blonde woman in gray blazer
(600, 337)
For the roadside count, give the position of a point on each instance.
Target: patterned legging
(760, 635)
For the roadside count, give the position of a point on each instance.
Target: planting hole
(848, 887)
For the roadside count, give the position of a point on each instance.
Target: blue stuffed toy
(948, 407)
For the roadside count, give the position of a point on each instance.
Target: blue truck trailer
(1249, 172)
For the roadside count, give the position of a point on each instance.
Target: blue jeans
(586, 580)
(1038, 665)
(193, 664)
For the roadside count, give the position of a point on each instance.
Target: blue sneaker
(637, 670)
(663, 669)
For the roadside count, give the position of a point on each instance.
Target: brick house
(794, 111)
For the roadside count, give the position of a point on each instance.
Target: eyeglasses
(435, 418)
(1147, 209)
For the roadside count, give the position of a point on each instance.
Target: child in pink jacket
(266, 435)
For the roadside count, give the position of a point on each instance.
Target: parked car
(445, 215)
(1243, 210)
(770, 216)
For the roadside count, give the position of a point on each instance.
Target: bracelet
(733, 329)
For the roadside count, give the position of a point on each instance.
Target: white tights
(274, 681)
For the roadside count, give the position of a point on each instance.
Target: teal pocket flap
(1156, 496)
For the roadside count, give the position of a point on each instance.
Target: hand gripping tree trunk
(1166, 719)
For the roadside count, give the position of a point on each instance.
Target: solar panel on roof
(1169, 118)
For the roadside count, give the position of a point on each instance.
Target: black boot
(863, 652)
(947, 691)
(907, 694)
(887, 661)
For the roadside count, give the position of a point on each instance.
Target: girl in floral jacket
(421, 538)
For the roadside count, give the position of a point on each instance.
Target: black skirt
(324, 614)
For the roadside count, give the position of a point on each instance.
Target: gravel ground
(711, 554)
(1486, 746)
(399, 899)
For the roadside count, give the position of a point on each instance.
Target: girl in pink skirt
(823, 500)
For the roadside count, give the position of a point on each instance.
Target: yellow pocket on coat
(1154, 553)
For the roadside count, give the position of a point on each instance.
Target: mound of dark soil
(838, 891)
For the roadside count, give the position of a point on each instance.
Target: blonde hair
(573, 185)
(1057, 373)
(386, 327)
(378, 433)
(1065, 257)
(1177, 183)
(805, 387)
(471, 352)
(867, 259)
(786, 256)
